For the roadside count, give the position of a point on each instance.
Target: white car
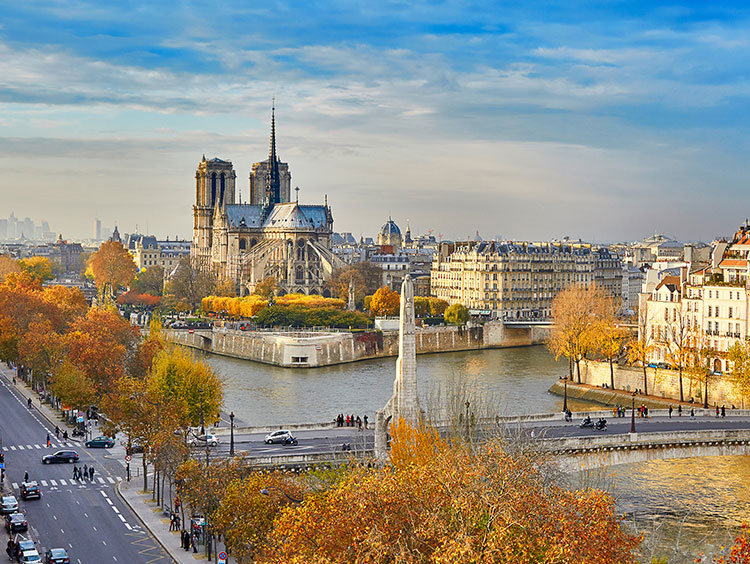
(9, 504)
(30, 557)
(282, 436)
(200, 440)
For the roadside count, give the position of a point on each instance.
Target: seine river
(685, 506)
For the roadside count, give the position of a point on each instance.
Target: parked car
(57, 556)
(101, 442)
(202, 440)
(282, 436)
(16, 523)
(9, 504)
(31, 557)
(60, 456)
(22, 545)
(30, 490)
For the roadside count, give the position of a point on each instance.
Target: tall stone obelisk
(404, 402)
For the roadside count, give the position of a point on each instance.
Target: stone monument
(404, 402)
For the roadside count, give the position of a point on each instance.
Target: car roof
(29, 484)
(9, 497)
(58, 552)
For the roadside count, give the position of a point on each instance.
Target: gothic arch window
(213, 189)
(221, 193)
(243, 244)
(300, 275)
(326, 294)
(253, 242)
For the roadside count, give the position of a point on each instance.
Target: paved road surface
(87, 518)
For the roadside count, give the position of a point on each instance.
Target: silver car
(9, 504)
(282, 436)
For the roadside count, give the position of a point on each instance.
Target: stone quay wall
(661, 382)
(309, 350)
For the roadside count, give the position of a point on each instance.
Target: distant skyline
(531, 120)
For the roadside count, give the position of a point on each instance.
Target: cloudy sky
(601, 120)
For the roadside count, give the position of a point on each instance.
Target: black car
(16, 523)
(30, 490)
(56, 556)
(60, 456)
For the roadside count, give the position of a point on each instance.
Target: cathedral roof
(289, 215)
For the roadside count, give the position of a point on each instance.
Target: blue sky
(601, 120)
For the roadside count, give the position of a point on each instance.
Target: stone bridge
(574, 454)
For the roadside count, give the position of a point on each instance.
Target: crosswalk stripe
(53, 482)
(38, 446)
(5, 449)
(101, 481)
(29, 447)
(63, 483)
(12, 448)
(121, 518)
(15, 485)
(44, 483)
(119, 478)
(20, 447)
(110, 480)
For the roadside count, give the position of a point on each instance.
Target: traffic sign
(222, 556)
(128, 458)
(2, 465)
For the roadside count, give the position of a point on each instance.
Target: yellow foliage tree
(112, 267)
(385, 302)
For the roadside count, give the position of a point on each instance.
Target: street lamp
(231, 433)
(565, 397)
(265, 491)
(632, 415)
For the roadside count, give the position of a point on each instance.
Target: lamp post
(266, 491)
(565, 397)
(632, 415)
(468, 429)
(231, 433)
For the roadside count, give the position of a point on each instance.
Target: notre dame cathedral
(269, 236)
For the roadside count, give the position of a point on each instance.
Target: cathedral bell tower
(214, 186)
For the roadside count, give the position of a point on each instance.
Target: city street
(87, 518)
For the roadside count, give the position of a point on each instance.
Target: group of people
(174, 521)
(86, 473)
(188, 540)
(351, 421)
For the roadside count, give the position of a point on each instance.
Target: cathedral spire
(273, 181)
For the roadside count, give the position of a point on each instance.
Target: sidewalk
(157, 523)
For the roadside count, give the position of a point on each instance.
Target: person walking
(670, 412)
(75, 472)
(65, 436)
(679, 410)
(91, 473)
(26, 476)
(717, 410)
(28, 402)
(723, 411)
(692, 413)
(49, 441)
(364, 419)
(57, 431)
(85, 471)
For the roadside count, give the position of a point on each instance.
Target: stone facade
(269, 237)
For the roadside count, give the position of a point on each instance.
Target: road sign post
(222, 557)
(128, 458)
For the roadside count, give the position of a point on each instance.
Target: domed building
(390, 235)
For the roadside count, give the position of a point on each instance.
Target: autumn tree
(189, 285)
(112, 267)
(7, 265)
(678, 350)
(437, 503)
(150, 280)
(577, 312)
(40, 268)
(609, 336)
(385, 302)
(366, 277)
(457, 314)
(72, 386)
(739, 355)
(640, 348)
(699, 357)
(437, 306)
(267, 287)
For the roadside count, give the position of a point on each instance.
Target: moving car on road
(9, 504)
(16, 523)
(60, 456)
(200, 440)
(101, 442)
(56, 556)
(30, 490)
(281, 436)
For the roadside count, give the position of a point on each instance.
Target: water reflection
(259, 394)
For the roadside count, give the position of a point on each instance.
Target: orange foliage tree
(385, 302)
(439, 503)
(112, 267)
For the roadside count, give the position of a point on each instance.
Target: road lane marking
(103, 493)
(29, 447)
(104, 543)
(110, 480)
(63, 483)
(37, 446)
(129, 527)
(119, 478)
(44, 483)
(15, 485)
(5, 449)
(54, 517)
(53, 482)
(121, 518)
(86, 515)
(115, 509)
(20, 447)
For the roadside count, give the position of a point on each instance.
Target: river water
(685, 507)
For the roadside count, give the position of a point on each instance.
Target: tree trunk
(705, 396)
(570, 367)
(645, 379)
(578, 369)
(145, 472)
(682, 395)
(611, 374)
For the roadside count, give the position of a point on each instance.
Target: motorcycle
(586, 423)
(291, 441)
(78, 433)
(601, 425)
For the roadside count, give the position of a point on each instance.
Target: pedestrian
(176, 521)
(717, 410)
(347, 420)
(65, 436)
(91, 472)
(75, 472)
(49, 441)
(692, 413)
(615, 411)
(85, 471)
(171, 521)
(195, 548)
(28, 402)
(57, 431)
(670, 412)
(127, 470)
(679, 410)
(364, 419)
(359, 423)
(723, 411)
(176, 504)
(182, 539)
(26, 476)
